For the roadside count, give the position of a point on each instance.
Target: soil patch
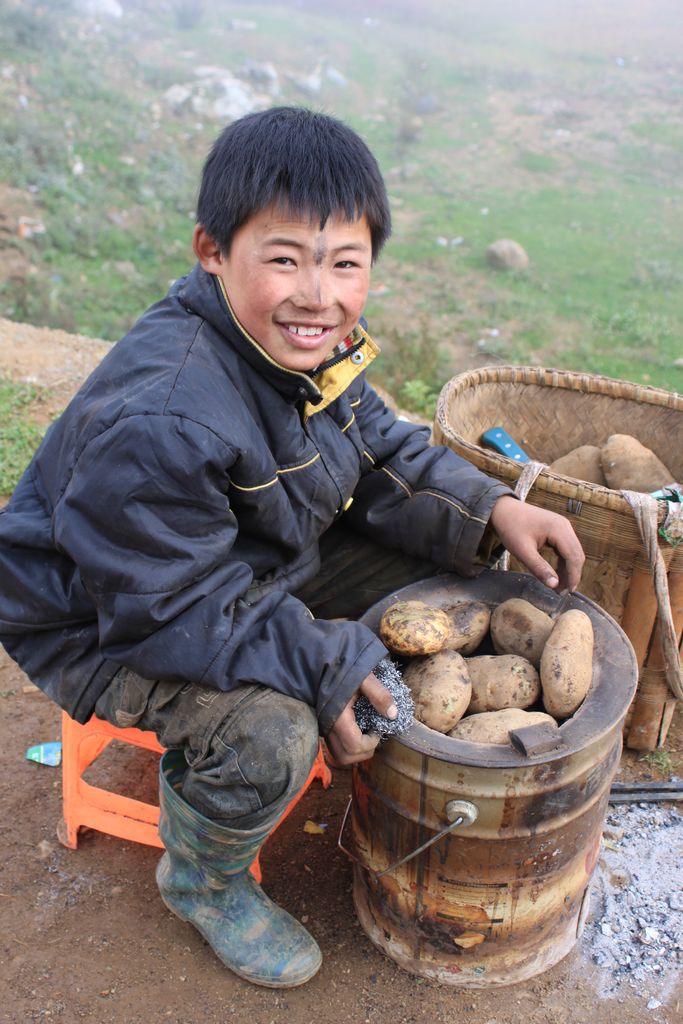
(56, 362)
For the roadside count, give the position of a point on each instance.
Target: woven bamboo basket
(550, 412)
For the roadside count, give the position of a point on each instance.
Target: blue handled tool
(499, 439)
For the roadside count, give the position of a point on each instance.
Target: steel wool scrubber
(370, 720)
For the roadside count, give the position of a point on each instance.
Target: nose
(314, 290)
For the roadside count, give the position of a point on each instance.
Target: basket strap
(525, 481)
(645, 510)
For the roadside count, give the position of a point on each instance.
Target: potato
(469, 625)
(413, 627)
(502, 681)
(441, 689)
(518, 627)
(628, 465)
(495, 726)
(581, 463)
(567, 664)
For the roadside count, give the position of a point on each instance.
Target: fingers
(347, 743)
(570, 561)
(538, 567)
(379, 696)
(575, 568)
(572, 557)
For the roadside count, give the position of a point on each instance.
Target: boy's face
(296, 288)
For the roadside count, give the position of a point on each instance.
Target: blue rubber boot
(204, 878)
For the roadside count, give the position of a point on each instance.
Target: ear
(207, 251)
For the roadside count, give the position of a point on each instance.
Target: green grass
(416, 368)
(538, 163)
(662, 760)
(19, 437)
(662, 133)
(589, 186)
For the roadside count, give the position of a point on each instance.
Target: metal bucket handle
(458, 812)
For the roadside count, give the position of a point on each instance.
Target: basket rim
(549, 480)
(553, 377)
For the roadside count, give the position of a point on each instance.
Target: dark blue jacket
(177, 503)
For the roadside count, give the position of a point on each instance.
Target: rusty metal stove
(499, 891)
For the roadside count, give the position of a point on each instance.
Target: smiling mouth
(307, 332)
(306, 335)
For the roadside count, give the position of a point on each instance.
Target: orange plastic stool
(93, 807)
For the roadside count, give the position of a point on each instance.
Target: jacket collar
(204, 294)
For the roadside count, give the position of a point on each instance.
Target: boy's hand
(346, 742)
(524, 529)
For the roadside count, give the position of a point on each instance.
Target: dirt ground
(84, 935)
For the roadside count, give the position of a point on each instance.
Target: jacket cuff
(490, 549)
(331, 704)
(478, 545)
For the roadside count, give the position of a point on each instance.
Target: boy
(225, 473)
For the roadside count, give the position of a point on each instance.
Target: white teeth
(307, 332)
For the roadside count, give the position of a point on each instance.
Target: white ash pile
(635, 931)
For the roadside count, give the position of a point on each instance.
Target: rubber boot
(204, 878)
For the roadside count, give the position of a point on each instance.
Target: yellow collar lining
(333, 382)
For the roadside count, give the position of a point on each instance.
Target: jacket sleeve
(421, 498)
(146, 520)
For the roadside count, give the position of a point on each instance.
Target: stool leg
(67, 834)
(67, 828)
(255, 868)
(322, 769)
(95, 807)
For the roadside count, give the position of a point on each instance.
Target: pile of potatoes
(622, 463)
(539, 661)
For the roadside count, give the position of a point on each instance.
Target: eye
(346, 264)
(283, 261)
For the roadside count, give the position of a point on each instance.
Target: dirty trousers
(250, 750)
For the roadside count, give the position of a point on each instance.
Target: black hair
(303, 161)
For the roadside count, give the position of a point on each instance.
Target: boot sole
(235, 970)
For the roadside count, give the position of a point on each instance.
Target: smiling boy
(222, 487)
